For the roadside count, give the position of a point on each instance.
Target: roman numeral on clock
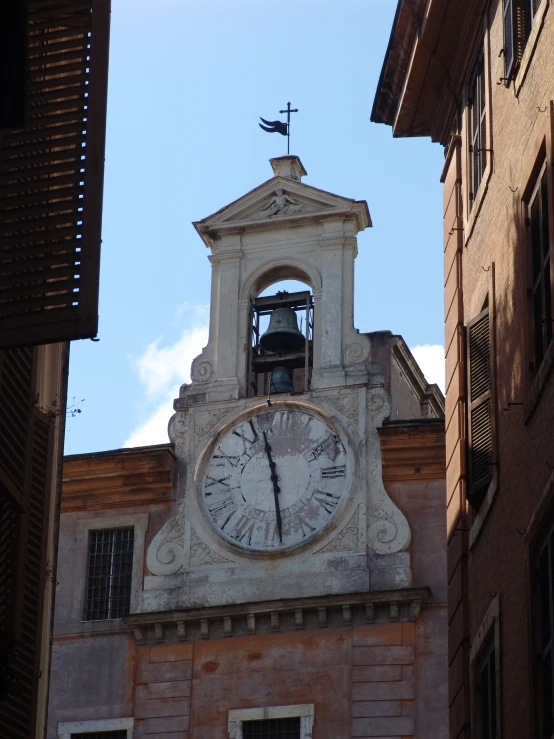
(329, 501)
(231, 458)
(338, 471)
(247, 433)
(216, 481)
(243, 528)
(221, 505)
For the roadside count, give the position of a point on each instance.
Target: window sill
(483, 512)
(530, 47)
(538, 384)
(90, 627)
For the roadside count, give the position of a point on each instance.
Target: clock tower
(280, 494)
(290, 583)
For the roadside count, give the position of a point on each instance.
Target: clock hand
(276, 488)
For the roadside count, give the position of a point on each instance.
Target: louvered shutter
(12, 63)
(51, 177)
(479, 406)
(509, 55)
(18, 714)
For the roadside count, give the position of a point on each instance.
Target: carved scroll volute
(388, 530)
(166, 553)
(178, 432)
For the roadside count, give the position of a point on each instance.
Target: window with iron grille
(109, 577)
(540, 291)
(118, 734)
(477, 126)
(280, 728)
(480, 416)
(486, 696)
(544, 635)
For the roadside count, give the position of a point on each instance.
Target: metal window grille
(118, 734)
(541, 290)
(487, 688)
(280, 728)
(110, 564)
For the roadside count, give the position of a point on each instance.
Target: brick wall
(490, 553)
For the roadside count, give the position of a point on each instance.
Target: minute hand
(276, 488)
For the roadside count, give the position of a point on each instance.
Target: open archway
(281, 300)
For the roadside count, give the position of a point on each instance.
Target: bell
(282, 334)
(281, 381)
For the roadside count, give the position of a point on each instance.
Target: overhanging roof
(425, 64)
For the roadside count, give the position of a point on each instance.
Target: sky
(187, 84)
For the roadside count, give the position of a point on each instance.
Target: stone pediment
(280, 199)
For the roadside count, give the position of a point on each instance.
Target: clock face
(275, 480)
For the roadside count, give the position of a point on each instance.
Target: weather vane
(280, 126)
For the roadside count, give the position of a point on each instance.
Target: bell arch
(280, 269)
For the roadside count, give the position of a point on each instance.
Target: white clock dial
(276, 480)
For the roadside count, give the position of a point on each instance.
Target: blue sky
(188, 82)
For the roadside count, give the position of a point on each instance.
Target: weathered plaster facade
(345, 629)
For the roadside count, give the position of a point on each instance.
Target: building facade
(479, 79)
(53, 67)
(279, 569)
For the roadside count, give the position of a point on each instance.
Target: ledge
(278, 616)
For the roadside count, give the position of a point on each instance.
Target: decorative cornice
(278, 616)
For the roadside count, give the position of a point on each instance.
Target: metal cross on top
(280, 126)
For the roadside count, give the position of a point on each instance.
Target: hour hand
(276, 488)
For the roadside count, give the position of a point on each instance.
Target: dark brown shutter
(17, 713)
(51, 177)
(17, 382)
(12, 63)
(522, 28)
(479, 406)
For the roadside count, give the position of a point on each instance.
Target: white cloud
(430, 358)
(162, 370)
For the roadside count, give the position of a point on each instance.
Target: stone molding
(83, 526)
(304, 711)
(68, 729)
(278, 616)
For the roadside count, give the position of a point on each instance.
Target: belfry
(289, 580)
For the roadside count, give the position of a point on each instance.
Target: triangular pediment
(282, 199)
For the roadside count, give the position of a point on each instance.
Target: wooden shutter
(479, 406)
(12, 63)
(51, 178)
(17, 382)
(18, 712)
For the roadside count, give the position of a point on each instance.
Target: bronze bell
(282, 334)
(281, 381)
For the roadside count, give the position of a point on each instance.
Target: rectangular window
(480, 438)
(110, 565)
(119, 734)
(544, 635)
(540, 291)
(477, 126)
(486, 689)
(280, 728)
(518, 17)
